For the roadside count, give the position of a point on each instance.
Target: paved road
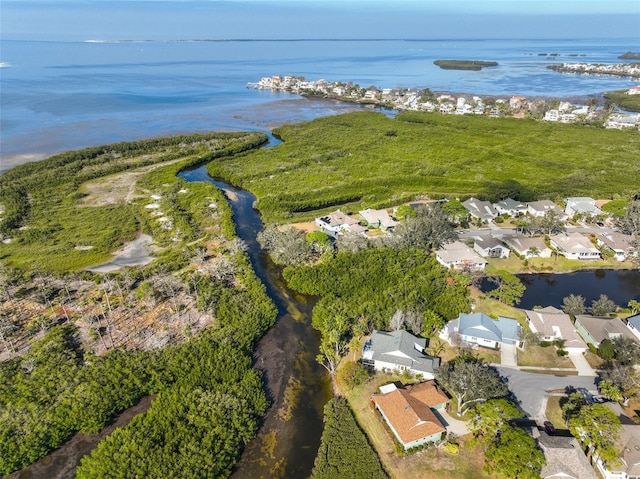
(531, 389)
(496, 231)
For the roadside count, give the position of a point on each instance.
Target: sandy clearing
(134, 253)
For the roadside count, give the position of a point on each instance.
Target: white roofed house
(336, 223)
(378, 219)
(510, 206)
(574, 246)
(551, 324)
(482, 210)
(458, 255)
(527, 246)
(478, 328)
(633, 323)
(490, 247)
(584, 206)
(619, 243)
(399, 350)
(540, 208)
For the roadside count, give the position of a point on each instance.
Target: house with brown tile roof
(552, 323)
(409, 412)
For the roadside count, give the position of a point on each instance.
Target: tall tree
(492, 417)
(627, 378)
(598, 428)
(510, 289)
(471, 381)
(602, 306)
(514, 454)
(573, 305)
(430, 228)
(627, 351)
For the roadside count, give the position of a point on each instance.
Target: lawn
(554, 411)
(537, 356)
(494, 308)
(428, 464)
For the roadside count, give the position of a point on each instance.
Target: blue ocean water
(60, 95)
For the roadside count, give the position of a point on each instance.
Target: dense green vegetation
(344, 450)
(365, 159)
(622, 100)
(42, 200)
(475, 65)
(380, 282)
(210, 400)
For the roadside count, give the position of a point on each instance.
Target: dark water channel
(549, 289)
(297, 385)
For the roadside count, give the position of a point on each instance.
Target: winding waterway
(297, 385)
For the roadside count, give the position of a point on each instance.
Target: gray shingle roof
(401, 348)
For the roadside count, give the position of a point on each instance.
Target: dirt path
(62, 463)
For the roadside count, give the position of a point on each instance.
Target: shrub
(452, 448)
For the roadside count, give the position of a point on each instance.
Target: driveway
(531, 389)
(508, 356)
(581, 364)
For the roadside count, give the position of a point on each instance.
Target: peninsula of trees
(475, 65)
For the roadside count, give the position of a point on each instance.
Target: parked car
(549, 427)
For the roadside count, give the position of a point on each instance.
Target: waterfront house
(552, 115)
(551, 324)
(581, 205)
(399, 351)
(565, 458)
(490, 247)
(480, 329)
(458, 255)
(633, 323)
(528, 247)
(336, 223)
(594, 330)
(574, 246)
(620, 121)
(378, 219)
(479, 209)
(619, 243)
(510, 206)
(409, 412)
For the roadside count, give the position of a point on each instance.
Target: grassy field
(623, 100)
(429, 464)
(366, 159)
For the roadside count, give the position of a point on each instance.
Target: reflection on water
(297, 385)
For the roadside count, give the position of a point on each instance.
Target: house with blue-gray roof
(480, 329)
(633, 323)
(399, 351)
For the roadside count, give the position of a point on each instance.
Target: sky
(78, 20)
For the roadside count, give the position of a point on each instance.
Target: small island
(474, 65)
(630, 56)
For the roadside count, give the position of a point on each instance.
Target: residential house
(399, 350)
(620, 244)
(516, 102)
(459, 256)
(480, 329)
(511, 207)
(633, 323)
(527, 246)
(552, 115)
(574, 246)
(378, 219)
(542, 207)
(336, 223)
(622, 121)
(594, 330)
(490, 247)
(409, 412)
(565, 458)
(628, 445)
(634, 90)
(482, 210)
(581, 205)
(551, 324)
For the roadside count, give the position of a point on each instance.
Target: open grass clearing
(545, 357)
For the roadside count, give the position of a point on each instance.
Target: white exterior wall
(382, 365)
